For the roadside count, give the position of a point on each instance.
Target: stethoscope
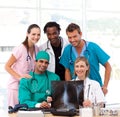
(28, 58)
(48, 48)
(35, 86)
(86, 53)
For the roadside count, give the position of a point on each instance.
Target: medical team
(24, 60)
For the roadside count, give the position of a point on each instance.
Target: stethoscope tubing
(28, 56)
(86, 50)
(34, 79)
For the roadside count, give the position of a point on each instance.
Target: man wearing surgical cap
(35, 91)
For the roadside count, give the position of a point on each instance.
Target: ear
(80, 33)
(87, 67)
(27, 34)
(59, 32)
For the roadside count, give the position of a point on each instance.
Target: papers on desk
(109, 112)
(38, 113)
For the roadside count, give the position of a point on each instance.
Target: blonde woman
(92, 91)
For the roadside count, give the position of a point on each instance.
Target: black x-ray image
(67, 94)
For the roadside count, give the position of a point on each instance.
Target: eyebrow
(46, 62)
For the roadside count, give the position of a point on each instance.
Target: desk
(45, 115)
(50, 115)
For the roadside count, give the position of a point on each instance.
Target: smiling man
(35, 91)
(90, 50)
(54, 46)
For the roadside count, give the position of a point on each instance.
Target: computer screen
(67, 94)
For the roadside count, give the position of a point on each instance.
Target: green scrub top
(36, 89)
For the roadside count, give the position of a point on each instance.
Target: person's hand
(25, 76)
(44, 104)
(49, 99)
(105, 90)
(87, 103)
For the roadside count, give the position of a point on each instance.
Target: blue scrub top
(92, 52)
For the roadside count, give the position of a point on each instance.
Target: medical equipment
(86, 53)
(35, 85)
(48, 48)
(28, 56)
(28, 60)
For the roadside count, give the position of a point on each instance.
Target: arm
(8, 67)
(25, 94)
(99, 95)
(107, 77)
(67, 74)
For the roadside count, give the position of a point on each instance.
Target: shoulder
(51, 73)
(68, 47)
(19, 47)
(43, 44)
(36, 48)
(93, 82)
(23, 81)
(53, 76)
(64, 41)
(93, 45)
(19, 50)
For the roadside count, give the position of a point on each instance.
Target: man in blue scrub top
(94, 54)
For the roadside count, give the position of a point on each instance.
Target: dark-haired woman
(21, 62)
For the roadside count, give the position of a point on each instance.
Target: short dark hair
(72, 26)
(51, 24)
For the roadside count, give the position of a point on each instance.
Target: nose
(71, 39)
(51, 37)
(37, 36)
(45, 63)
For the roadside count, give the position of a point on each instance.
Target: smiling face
(81, 68)
(74, 38)
(33, 36)
(41, 66)
(53, 35)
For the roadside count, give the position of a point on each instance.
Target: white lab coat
(93, 91)
(48, 48)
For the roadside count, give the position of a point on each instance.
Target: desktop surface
(50, 115)
(30, 114)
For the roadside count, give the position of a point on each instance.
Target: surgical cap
(42, 55)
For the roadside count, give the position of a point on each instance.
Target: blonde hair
(82, 58)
